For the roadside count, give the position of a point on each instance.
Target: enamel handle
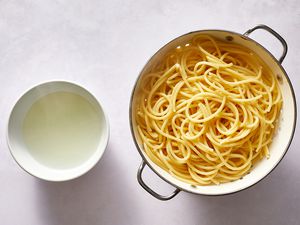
(149, 190)
(275, 34)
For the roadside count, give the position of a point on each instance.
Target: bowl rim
(106, 129)
(246, 38)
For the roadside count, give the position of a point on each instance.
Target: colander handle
(274, 33)
(149, 190)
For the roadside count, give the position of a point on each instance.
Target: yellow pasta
(207, 111)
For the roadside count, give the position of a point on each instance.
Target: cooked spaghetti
(207, 111)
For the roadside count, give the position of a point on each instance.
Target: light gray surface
(103, 45)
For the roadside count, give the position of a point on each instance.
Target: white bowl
(20, 150)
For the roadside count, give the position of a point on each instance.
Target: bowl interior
(281, 139)
(19, 149)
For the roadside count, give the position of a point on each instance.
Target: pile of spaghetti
(207, 111)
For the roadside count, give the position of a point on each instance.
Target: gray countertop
(103, 45)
